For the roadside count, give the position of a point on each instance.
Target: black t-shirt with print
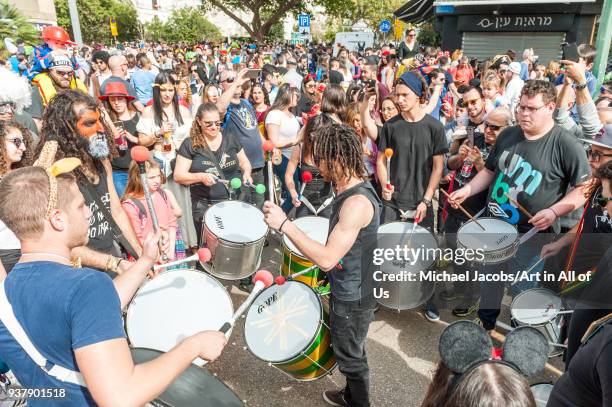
(537, 173)
(226, 157)
(414, 144)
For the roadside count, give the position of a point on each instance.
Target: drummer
(318, 191)
(494, 122)
(207, 157)
(540, 182)
(77, 323)
(354, 222)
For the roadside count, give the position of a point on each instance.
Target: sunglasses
(595, 156)
(17, 141)
(64, 74)
(603, 200)
(209, 124)
(492, 126)
(229, 80)
(471, 102)
(7, 107)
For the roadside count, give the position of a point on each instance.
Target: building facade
(38, 12)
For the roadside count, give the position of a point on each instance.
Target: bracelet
(280, 229)
(553, 211)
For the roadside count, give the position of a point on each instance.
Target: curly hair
(28, 155)
(338, 148)
(185, 80)
(197, 137)
(59, 124)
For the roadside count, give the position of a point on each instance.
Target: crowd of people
(524, 142)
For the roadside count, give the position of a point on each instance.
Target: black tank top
(354, 278)
(100, 235)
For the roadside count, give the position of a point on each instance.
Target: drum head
(194, 387)
(282, 321)
(393, 234)
(174, 305)
(236, 222)
(535, 307)
(498, 234)
(541, 393)
(315, 228)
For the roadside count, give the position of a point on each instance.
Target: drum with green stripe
(316, 228)
(287, 326)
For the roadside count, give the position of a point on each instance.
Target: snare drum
(174, 305)
(287, 327)
(294, 261)
(541, 393)
(499, 240)
(235, 233)
(406, 294)
(539, 308)
(194, 387)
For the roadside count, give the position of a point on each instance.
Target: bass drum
(195, 387)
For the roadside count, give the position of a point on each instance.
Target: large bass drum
(404, 295)
(195, 387)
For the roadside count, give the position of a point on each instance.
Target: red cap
(139, 154)
(116, 89)
(58, 34)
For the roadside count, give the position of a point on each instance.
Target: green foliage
(190, 25)
(94, 16)
(154, 30)
(14, 25)
(428, 35)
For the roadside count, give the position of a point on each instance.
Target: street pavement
(402, 350)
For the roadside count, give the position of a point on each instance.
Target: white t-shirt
(8, 240)
(288, 127)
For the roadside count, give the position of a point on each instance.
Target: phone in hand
(570, 52)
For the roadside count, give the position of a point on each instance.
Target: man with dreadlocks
(346, 257)
(74, 121)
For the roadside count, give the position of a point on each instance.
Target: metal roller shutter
(483, 45)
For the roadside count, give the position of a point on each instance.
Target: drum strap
(211, 156)
(572, 254)
(595, 327)
(7, 316)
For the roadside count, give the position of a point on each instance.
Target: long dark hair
(310, 132)
(334, 101)
(159, 115)
(283, 97)
(265, 93)
(59, 124)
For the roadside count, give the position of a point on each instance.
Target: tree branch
(233, 16)
(280, 12)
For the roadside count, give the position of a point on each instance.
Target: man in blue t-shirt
(72, 316)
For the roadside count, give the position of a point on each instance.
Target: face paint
(88, 123)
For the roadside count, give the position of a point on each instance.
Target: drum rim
(516, 233)
(129, 306)
(301, 255)
(311, 340)
(535, 289)
(231, 241)
(418, 226)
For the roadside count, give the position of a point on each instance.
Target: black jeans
(349, 322)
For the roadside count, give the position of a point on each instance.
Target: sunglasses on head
(17, 141)
(209, 124)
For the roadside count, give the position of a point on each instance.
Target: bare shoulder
(357, 210)
(148, 112)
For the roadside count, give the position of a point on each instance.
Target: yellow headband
(63, 166)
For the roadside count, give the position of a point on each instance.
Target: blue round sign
(385, 26)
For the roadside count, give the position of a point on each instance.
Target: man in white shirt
(292, 77)
(514, 86)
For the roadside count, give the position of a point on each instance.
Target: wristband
(280, 229)
(581, 86)
(553, 211)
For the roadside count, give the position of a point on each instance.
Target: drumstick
(530, 268)
(518, 205)
(306, 178)
(280, 280)
(203, 255)
(388, 154)
(259, 188)
(141, 155)
(463, 210)
(268, 147)
(414, 225)
(262, 279)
